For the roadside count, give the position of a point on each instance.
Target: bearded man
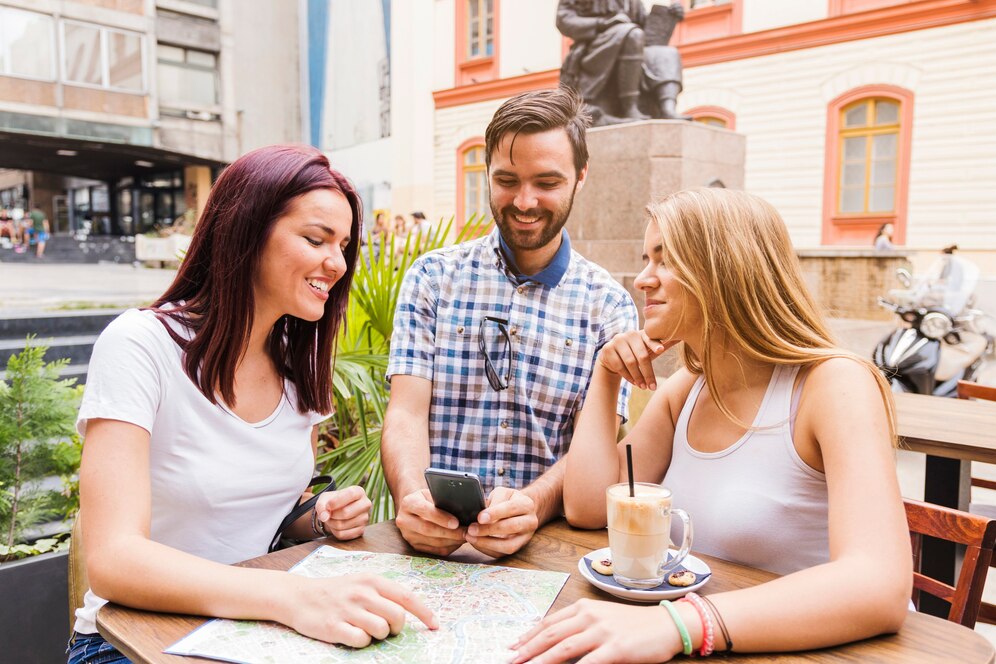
(495, 340)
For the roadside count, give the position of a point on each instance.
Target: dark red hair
(216, 278)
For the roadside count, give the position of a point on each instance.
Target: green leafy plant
(36, 548)
(37, 440)
(351, 441)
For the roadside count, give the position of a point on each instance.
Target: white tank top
(756, 502)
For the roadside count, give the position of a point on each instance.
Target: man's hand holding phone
(506, 525)
(426, 527)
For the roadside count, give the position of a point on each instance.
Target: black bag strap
(300, 510)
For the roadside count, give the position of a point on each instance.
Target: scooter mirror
(904, 276)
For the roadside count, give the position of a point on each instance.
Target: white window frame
(189, 106)
(53, 67)
(105, 63)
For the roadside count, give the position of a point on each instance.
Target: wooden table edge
(551, 535)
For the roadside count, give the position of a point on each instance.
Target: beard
(547, 227)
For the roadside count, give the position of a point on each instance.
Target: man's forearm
(547, 492)
(404, 454)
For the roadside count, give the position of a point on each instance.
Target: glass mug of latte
(640, 534)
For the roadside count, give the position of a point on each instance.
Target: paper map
(482, 610)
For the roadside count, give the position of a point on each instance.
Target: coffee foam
(648, 513)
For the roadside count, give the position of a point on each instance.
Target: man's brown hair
(535, 112)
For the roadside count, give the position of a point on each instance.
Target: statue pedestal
(631, 165)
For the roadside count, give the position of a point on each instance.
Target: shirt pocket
(556, 368)
(459, 364)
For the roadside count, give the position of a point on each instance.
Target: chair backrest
(977, 533)
(78, 582)
(969, 390)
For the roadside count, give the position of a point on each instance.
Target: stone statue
(620, 61)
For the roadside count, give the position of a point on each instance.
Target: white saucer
(691, 563)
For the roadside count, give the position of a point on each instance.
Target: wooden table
(952, 433)
(142, 635)
(949, 428)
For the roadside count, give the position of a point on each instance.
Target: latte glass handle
(686, 541)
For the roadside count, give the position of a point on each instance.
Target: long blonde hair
(732, 252)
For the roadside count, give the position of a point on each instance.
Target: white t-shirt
(220, 485)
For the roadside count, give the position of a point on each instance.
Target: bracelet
(722, 625)
(315, 524)
(708, 633)
(686, 640)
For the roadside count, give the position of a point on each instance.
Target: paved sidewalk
(41, 288)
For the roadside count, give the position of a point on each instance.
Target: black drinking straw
(629, 469)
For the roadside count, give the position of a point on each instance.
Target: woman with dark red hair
(200, 417)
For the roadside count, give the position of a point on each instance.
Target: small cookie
(681, 579)
(603, 566)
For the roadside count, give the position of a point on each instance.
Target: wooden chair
(970, 390)
(78, 583)
(977, 533)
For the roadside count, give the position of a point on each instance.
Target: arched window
(717, 116)
(867, 164)
(711, 120)
(472, 182)
(869, 145)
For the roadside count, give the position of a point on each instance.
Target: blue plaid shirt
(558, 320)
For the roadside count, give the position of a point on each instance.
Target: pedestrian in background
(883, 239)
(421, 225)
(7, 226)
(39, 230)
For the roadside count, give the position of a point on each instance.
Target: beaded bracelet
(722, 625)
(708, 634)
(686, 640)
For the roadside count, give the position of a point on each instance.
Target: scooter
(941, 339)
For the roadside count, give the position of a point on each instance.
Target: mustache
(534, 212)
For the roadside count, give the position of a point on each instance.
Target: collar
(549, 276)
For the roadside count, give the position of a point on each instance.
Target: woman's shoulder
(676, 390)
(138, 329)
(845, 369)
(132, 323)
(838, 384)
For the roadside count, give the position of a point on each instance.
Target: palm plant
(351, 440)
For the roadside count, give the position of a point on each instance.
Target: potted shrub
(38, 445)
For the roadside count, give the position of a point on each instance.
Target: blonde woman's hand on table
(600, 632)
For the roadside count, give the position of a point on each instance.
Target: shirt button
(460, 330)
(504, 424)
(513, 330)
(501, 471)
(569, 342)
(520, 290)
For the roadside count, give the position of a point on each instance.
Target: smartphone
(456, 492)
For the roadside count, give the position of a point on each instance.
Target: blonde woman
(778, 443)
